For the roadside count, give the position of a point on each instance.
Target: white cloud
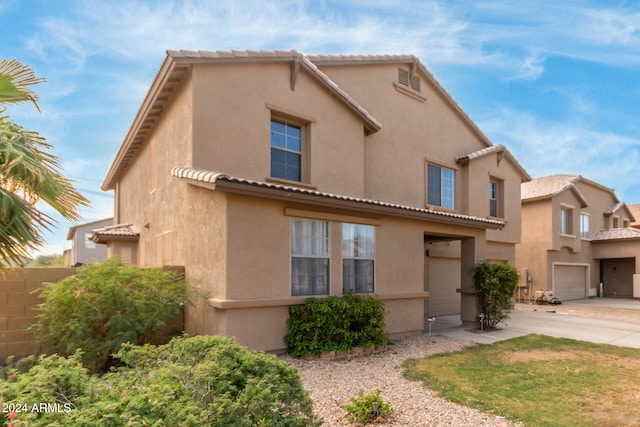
(545, 148)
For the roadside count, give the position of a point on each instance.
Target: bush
(336, 323)
(495, 286)
(105, 305)
(367, 408)
(188, 382)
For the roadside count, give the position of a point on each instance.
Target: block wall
(17, 306)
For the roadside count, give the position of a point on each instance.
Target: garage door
(570, 282)
(443, 279)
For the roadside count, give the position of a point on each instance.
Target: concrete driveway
(545, 321)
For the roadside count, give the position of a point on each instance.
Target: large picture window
(358, 257)
(309, 257)
(441, 184)
(286, 150)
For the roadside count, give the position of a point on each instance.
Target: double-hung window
(493, 198)
(358, 258)
(566, 226)
(584, 226)
(286, 150)
(441, 184)
(309, 257)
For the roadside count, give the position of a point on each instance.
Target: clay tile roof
(549, 186)
(617, 234)
(115, 232)
(213, 179)
(499, 149)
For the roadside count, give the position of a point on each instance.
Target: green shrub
(203, 380)
(367, 408)
(336, 323)
(495, 286)
(105, 305)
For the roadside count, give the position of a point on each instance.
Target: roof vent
(403, 79)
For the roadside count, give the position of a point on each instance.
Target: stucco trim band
(229, 304)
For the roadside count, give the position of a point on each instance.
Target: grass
(540, 381)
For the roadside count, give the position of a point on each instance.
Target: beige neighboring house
(635, 211)
(577, 234)
(83, 249)
(276, 176)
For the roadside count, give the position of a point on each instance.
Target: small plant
(105, 305)
(336, 323)
(495, 286)
(365, 409)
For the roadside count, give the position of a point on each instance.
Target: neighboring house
(275, 176)
(83, 250)
(635, 211)
(576, 234)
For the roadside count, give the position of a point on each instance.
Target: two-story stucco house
(576, 234)
(276, 176)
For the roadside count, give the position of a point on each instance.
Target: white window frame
(444, 197)
(312, 288)
(566, 220)
(351, 254)
(300, 153)
(584, 225)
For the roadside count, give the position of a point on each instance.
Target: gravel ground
(331, 383)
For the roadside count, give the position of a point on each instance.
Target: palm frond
(15, 79)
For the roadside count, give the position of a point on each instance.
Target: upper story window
(584, 226)
(615, 222)
(309, 257)
(441, 184)
(566, 218)
(495, 198)
(358, 258)
(286, 150)
(625, 223)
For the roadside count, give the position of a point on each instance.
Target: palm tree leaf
(15, 79)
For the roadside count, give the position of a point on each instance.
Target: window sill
(291, 183)
(568, 235)
(409, 92)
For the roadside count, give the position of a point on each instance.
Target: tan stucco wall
(232, 134)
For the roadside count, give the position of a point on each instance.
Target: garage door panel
(443, 279)
(570, 282)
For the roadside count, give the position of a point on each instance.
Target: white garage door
(443, 279)
(570, 282)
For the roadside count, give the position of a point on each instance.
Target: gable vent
(403, 79)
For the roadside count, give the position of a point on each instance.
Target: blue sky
(558, 82)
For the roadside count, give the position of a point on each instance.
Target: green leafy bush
(336, 323)
(105, 305)
(367, 408)
(495, 286)
(203, 380)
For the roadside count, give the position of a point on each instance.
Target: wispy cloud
(545, 147)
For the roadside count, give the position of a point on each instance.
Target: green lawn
(540, 381)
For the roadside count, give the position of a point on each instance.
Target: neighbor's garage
(569, 281)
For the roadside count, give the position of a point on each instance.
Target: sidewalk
(546, 322)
